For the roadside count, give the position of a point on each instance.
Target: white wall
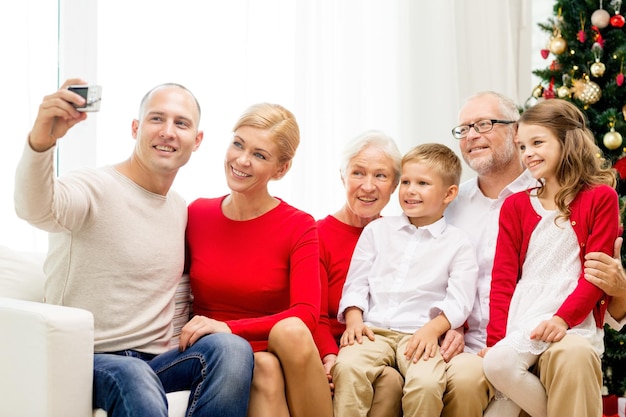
(342, 66)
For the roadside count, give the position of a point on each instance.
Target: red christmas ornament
(545, 53)
(597, 37)
(582, 37)
(620, 167)
(549, 93)
(619, 80)
(617, 21)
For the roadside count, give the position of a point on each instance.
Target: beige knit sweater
(115, 249)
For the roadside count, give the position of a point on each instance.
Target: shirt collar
(434, 229)
(521, 183)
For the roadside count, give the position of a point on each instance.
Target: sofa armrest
(46, 358)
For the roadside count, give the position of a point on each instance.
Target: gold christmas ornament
(558, 45)
(563, 92)
(612, 139)
(586, 91)
(538, 91)
(597, 69)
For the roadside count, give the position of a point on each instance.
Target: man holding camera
(116, 248)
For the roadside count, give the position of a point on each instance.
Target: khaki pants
(467, 390)
(359, 365)
(387, 400)
(570, 370)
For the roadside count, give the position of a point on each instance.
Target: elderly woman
(254, 269)
(370, 172)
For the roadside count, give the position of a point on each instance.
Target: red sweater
(252, 274)
(595, 220)
(337, 242)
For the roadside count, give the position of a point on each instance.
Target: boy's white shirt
(402, 276)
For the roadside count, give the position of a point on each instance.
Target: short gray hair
(375, 139)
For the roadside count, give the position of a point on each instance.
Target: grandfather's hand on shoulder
(197, 327)
(605, 272)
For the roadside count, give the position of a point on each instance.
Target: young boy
(412, 277)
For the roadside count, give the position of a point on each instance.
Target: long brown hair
(582, 164)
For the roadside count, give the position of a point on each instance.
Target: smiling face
(252, 160)
(423, 194)
(486, 152)
(540, 149)
(369, 181)
(167, 131)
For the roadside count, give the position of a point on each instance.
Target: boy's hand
(356, 333)
(423, 344)
(550, 331)
(355, 328)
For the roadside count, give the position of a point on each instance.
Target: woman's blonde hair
(582, 164)
(279, 122)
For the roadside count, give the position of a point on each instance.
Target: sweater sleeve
(601, 219)
(44, 201)
(323, 336)
(506, 270)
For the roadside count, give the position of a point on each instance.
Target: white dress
(549, 275)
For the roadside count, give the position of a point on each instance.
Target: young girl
(538, 292)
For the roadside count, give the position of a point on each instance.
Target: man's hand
(56, 116)
(453, 344)
(605, 272)
(608, 274)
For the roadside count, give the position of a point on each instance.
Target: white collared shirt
(402, 276)
(478, 216)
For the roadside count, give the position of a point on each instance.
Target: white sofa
(46, 351)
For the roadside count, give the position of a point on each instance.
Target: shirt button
(573, 222)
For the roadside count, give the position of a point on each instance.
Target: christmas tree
(585, 50)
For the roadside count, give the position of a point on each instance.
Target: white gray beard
(496, 162)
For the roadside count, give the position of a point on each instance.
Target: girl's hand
(197, 327)
(550, 331)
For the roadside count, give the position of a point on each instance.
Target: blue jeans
(217, 369)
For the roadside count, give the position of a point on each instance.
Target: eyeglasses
(481, 126)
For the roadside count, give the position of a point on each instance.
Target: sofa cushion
(22, 277)
(21, 274)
